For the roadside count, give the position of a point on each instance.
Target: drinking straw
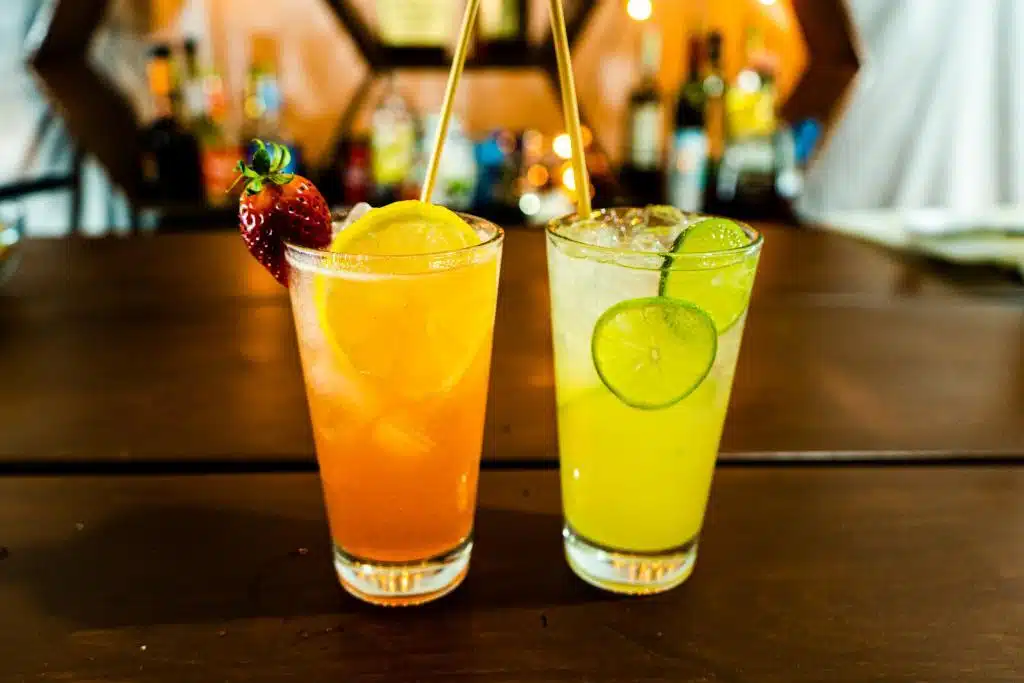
(570, 108)
(458, 62)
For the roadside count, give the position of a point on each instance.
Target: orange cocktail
(395, 326)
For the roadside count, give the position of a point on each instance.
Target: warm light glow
(537, 175)
(640, 10)
(569, 179)
(533, 144)
(587, 136)
(529, 204)
(767, 3)
(749, 81)
(562, 146)
(253, 107)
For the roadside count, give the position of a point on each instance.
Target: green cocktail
(648, 308)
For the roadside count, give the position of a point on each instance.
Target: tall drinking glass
(648, 307)
(396, 354)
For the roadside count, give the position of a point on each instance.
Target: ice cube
(604, 236)
(618, 219)
(401, 436)
(656, 241)
(593, 231)
(658, 231)
(354, 214)
(663, 216)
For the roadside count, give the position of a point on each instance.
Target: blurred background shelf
(89, 56)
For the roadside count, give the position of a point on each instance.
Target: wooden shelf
(513, 55)
(503, 55)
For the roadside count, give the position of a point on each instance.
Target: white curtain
(935, 120)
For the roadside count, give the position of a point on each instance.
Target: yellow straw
(458, 62)
(570, 108)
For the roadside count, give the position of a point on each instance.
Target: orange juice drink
(395, 324)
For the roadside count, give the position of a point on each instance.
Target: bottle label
(270, 94)
(159, 73)
(646, 142)
(195, 100)
(394, 146)
(688, 170)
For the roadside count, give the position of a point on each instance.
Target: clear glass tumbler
(648, 308)
(396, 355)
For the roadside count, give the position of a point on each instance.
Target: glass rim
(337, 259)
(757, 240)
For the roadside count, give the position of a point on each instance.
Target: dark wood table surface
(153, 526)
(837, 573)
(154, 352)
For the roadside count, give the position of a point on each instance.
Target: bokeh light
(639, 10)
(562, 146)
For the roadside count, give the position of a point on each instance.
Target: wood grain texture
(183, 270)
(840, 574)
(182, 349)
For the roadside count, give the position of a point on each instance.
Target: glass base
(396, 584)
(625, 572)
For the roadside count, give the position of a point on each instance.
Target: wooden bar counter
(838, 573)
(173, 352)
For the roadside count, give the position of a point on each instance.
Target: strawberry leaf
(261, 161)
(277, 154)
(269, 159)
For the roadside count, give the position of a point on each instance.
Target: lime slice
(713, 234)
(721, 282)
(405, 228)
(653, 352)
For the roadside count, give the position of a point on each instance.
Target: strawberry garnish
(278, 207)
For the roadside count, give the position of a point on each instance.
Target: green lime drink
(648, 307)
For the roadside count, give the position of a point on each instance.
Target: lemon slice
(403, 229)
(409, 330)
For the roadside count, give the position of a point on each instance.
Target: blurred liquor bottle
(715, 88)
(393, 144)
(746, 182)
(643, 166)
(498, 161)
(193, 95)
(176, 80)
(206, 115)
(688, 152)
(170, 152)
(751, 103)
(263, 107)
(794, 148)
(355, 175)
(457, 173)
